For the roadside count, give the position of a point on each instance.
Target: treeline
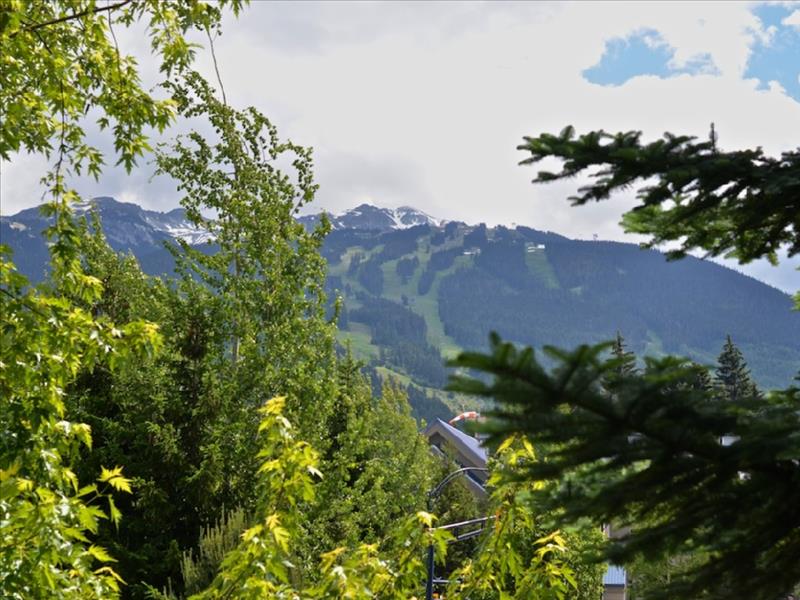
(425, 407)
(401, 335)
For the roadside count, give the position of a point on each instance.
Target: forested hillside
(541, 288)
(414, 293)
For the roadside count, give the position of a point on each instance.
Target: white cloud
(793, 19)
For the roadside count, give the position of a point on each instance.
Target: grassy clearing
(458, 403)
(427, 307)
(540, 267)
(360, 340)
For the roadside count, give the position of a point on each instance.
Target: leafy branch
(73, 16)
(740, 204)
(644, 450)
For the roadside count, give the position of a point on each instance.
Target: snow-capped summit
(129, 227)
(368, 217)
(126, 225)
(124, 220)
(409, 217)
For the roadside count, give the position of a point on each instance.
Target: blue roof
(470, 442)
(614, 576)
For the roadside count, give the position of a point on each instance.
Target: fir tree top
(626, 360)
(732, 377)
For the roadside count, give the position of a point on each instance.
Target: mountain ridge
(373, 218)
(417, 288)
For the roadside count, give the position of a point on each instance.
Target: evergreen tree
(653, 450)
(732, 377)
(702, 381)
(161, 417)
(375, 469)
(625, 360)
(644, 452)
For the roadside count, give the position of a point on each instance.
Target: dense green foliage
(47, 516)
(707, 472)
(375, 470)
(643, 450)
(259, 464)
(221, 497)
(266, 273)
(59, 61)
(239, 324)
(156, 417)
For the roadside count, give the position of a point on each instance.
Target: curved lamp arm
(434, 493)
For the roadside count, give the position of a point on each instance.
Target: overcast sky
(423, 104)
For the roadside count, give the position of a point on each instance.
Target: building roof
(614, 576)
(467, 444)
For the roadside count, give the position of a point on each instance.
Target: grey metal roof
(614, 576)
(470, 442)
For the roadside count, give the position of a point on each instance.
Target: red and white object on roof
(469, 415)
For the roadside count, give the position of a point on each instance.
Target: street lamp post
(432, 495)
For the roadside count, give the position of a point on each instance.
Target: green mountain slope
(416, 291)
(414, 296)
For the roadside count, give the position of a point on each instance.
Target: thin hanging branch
(216, 66)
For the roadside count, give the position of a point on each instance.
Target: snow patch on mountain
(133, 220)
(408, 216)
(368, 217)
(191, 235)
(176, 224)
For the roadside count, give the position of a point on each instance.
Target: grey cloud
(347, 178)
(311, 27)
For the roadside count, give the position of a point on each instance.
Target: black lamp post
(432, 495)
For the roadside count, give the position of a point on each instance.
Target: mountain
(416, 289)
(372, 218)
(127, 226)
